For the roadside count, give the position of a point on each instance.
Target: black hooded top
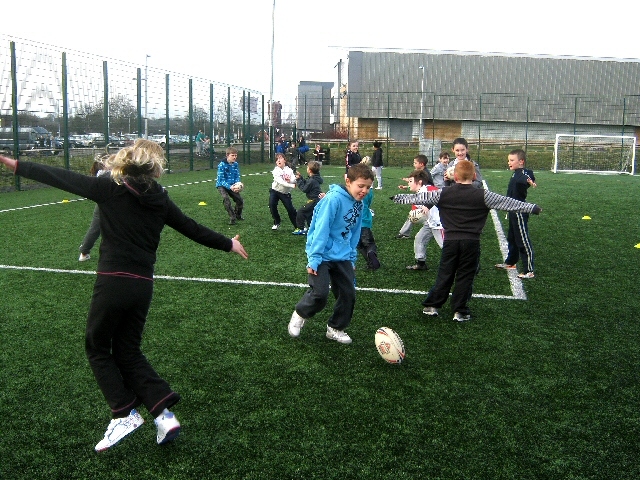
(132, 215)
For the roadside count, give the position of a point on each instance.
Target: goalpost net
(594, 154)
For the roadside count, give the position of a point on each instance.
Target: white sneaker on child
(168, 427)
(338, 335)
(295, 324)
(118, 429)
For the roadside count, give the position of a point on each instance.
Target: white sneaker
(168, 427)
(431, 311)
(295, 324)
(461, 317)
(84, 257)
(118, 429)
(275, 227)
(338, 335)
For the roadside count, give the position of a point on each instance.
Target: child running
(463, 210)
(228, 176)
(280, 191)
(311, 187)
(367, 244)
(134, 209)
(419, 163)
(331, 254)
(431, 226)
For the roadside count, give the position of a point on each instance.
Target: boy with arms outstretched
(331, 249)
(463, 211)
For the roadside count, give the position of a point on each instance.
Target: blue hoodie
(367, 217)
(228, 174)
(335, 229)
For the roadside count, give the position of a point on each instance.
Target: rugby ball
(417, 215)
(448, 174)
(237, 187)
(389, 345)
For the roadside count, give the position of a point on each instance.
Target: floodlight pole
(421, 136)
(270, 124)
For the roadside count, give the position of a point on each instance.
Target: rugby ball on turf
(417, 215)
(389, 345)
(238, 187)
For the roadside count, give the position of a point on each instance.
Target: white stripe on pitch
(80, 199)
(245, 282)
(514, 281)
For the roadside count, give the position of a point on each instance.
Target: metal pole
(421, 136)
(270, 122)
(146, 112)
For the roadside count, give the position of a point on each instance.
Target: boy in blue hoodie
(228, 175)
(332, 252)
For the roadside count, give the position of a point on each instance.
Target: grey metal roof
(491, 86)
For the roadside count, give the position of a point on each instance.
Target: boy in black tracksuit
(463, 213)
(311, 187)
(518, 237)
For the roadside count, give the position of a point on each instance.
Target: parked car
(159, 139)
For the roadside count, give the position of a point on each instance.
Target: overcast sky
(230, 41)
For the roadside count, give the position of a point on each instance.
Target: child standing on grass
(283, 183)
(311, 187)
(367, 244)
(134, 209)
(228, 175)
(431, 226)
(93, 232)
(460, 149)
(519, 244)
(463, 210)
(419, 163)
(377, 162)
(331, 255)
(439, 169)
(353, 156)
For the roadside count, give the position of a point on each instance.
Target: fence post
(139, 101)
(65, 111)
(105, 128)
(191, 124)
(262, 132)
(167, 125)
(211, 136)
(228, 116)
(14, 109)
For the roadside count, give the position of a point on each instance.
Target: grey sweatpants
(340, 276)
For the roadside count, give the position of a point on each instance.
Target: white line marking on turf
(514, 281)
(81, 199)
(244, 282)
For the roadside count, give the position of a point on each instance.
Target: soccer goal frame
(603, 154)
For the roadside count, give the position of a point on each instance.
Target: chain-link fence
(71, 106)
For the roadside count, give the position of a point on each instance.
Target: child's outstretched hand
(10, 163)
(237, 247)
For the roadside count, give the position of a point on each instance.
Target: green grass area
(546, 387)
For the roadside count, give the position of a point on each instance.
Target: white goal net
(594, 154)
